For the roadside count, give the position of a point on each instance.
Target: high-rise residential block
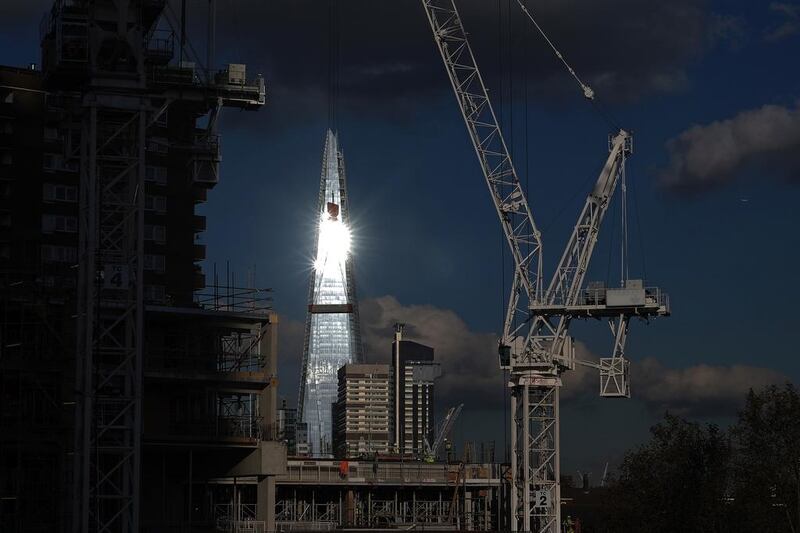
(362, 413)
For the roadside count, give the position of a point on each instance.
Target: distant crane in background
(442, 432)
(535, 345)
(604, 479)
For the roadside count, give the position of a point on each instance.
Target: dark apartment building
(134, 394)
(414, 372)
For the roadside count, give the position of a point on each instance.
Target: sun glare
(334, 242)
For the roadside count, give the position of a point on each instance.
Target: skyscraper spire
(332, 335)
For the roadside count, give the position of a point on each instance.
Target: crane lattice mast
(535, 345)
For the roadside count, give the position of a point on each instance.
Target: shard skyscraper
(332, 334)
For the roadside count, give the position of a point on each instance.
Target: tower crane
(444, 429)
(535, 346)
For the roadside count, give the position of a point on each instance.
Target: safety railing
(244, 427)
(230, 298)
(409, 472)
(654, 296)
(217, 362)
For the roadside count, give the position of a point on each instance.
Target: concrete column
(265, 509)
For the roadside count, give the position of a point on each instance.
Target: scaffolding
(318, 495)
(119, 95)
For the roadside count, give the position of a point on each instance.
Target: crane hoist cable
(588, 92)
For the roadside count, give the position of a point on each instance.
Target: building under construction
(134, 396)
(316, 495)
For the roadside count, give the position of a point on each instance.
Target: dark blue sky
(717, 208)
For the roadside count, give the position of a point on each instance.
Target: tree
(766, 470)
(675, 482)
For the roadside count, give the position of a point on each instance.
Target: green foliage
(675, 482)
(765, 483)
(697, 478)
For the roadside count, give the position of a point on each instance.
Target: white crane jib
(535, 345)
(522, 235)
(444, 429)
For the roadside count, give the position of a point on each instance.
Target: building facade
(362, 413)
(414, 374)
(332, 332)
(133, 395)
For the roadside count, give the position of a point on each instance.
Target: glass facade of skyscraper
(332, 336)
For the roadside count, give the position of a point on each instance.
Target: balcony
(199, 222)
(160, 47)
(199, 254)
(199, 195)
(198, 279)
(215, 349)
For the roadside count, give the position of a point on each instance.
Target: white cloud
(706, 156)
(701, 390)
(472, 376)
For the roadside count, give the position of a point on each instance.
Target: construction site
(139, 384)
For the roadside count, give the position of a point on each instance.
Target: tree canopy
(692, 477)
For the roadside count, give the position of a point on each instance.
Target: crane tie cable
(588, 92)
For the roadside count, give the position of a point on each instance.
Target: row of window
(154, 293)
(69, 193)
(60, 193)
(155, 233)
(159, 145)
(59, 254)
(154, 263)
(69, 224)
(59, 223)
(55, 162)
(69, 254)
(155, 174)
(7, 128)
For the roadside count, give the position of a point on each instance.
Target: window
(159, 145)
(60, 193)
(156, 174)
(155, 203)
(154, 293)
(6, 126)
(5, 219)
(59, 254)
(154, 263)
(9, 99)
(6, 158)
(51, 162)
(155, 233)
(50, 134)
(60, 223)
